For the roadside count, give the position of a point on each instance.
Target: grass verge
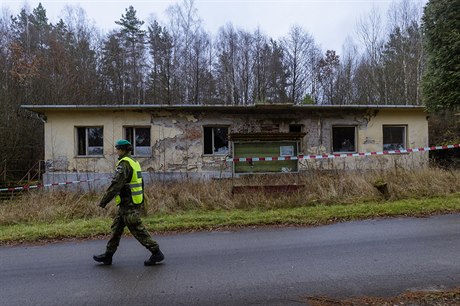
(204, 220)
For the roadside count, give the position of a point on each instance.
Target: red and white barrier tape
(28, 187)
(326, 156)
(251, 159)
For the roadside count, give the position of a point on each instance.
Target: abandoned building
(200, 141)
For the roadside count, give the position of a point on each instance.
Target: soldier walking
(128, 189)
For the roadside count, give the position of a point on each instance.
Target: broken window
(344, 139)
(394, 137)
(295, 128)
(90, 141)
(140, 139)
(215, 140)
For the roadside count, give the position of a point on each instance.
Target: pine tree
(161, 45)
(133, 38)
(441, 81)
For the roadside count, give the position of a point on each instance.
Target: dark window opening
(207, 140)
(140, 139)
(81, 140)
(90, 141)
(394, 138)
(343, 139)
(215, 140)
(295, 128)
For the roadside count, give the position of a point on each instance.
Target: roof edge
(38, 108)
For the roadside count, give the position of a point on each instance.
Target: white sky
(328, 21)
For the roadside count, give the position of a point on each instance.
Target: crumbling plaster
(177, 143)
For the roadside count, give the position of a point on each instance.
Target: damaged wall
(177, 138)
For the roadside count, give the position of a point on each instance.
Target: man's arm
(120, 178)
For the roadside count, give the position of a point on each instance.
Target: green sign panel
(265, 149)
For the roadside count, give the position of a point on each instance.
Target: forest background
(178, 62)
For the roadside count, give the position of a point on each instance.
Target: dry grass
(317, 188)
(43, 206)
(446, 297)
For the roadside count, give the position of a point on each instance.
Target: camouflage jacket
(119, 185)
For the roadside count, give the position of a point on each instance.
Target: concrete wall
(369, 139)
(177, 139)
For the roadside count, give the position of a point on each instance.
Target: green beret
(122, 142)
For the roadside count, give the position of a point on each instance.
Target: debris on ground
(449, 297)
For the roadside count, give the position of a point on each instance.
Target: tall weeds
(314, 188)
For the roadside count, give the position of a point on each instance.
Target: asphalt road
(247, 267)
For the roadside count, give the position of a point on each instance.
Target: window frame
(355, 142)
(133, 141)
(404, 134)
(213, 139)
(86, 141)
(288, 150)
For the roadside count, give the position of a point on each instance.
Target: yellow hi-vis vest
(136, 182)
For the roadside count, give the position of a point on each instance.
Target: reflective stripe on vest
(135, 184)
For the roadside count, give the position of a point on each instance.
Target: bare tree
(7, 104)
(185, 26)
(228, 90)
(328, 77)
(403, 56)
(370, 33)
(345, 89)
(276, 74)
(24, 79)
(73, 60)
(301, 56)
(160, 77)
(113, 68)
(202, 85)
(244, 65)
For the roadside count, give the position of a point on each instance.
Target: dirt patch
(447, 297)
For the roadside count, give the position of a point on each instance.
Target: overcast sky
(328, 21)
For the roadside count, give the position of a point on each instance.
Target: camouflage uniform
(128, 213)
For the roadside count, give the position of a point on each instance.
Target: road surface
(246, 267)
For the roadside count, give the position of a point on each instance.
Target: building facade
(186, 141)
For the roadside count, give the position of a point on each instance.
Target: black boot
(105, 258)
(155, 258)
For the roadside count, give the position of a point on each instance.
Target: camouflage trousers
(130, 217)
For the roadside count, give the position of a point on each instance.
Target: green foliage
(308, 100)
(441, 81)
(444, 128)
(131, 26)
(402, 57)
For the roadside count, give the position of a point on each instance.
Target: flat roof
(217, 108)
